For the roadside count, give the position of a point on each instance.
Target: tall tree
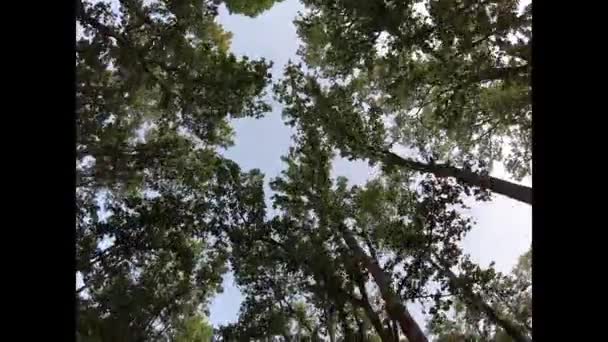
(164, 260)
(354, 121)
(288, 260)
(156, 87)
(311, 240)
(161, 212)
(509, 294)
(449, 80)
(331, 242)
(426, 249)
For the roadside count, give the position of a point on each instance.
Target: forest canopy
(163, 214)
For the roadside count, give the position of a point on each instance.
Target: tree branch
(479, 304)
(512, 190)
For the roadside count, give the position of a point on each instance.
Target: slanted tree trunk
(371, 314)
(512, 190)
(363, 303)
(395, 330)
(395, 308)
(479, 304)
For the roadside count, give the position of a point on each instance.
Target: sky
(503, 231)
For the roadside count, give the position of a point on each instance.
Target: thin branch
(485, 134)
(429, 296)
(100, 255)
(371, 248)
(82, 288)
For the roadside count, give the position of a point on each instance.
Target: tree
(302, 252)
(161, 213)
(330, 243)
(450, 84)
(156, 87)
(249, 7)
(157, 268)
(356, 128)
(430, 242)
(511, 295)
(194, 329)
(416, 232)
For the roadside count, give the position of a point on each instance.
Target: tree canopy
(156, 88)
(335, 245)
(163, 214)
(248, 7)
(453, 77)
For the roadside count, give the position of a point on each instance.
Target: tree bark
(372, 315)
(395, 308)
(513, 331)
(363, 302)
(395, 331)
(512, 190)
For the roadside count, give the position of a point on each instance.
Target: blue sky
(503, 231)
(259, 143)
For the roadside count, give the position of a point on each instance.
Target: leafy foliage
(156, 87)
(451, 78)
(250, 8)
(411, 229)
(161, 213)
(509, 294)
(354, 123)
(194, 329)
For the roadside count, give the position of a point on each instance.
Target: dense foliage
(156, 87)
(357, 255)
(162, 214)
(452, 76)
(249, 7)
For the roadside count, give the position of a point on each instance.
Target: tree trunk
(372, 315)
(395, 331)
(395, 308)
(363, 303)
(512, 190)
(331, 327)
(478, 302)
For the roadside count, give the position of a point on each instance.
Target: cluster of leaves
(248, 7)
(511, 295)
(194, 329)
(156, 87)
(451, 78)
